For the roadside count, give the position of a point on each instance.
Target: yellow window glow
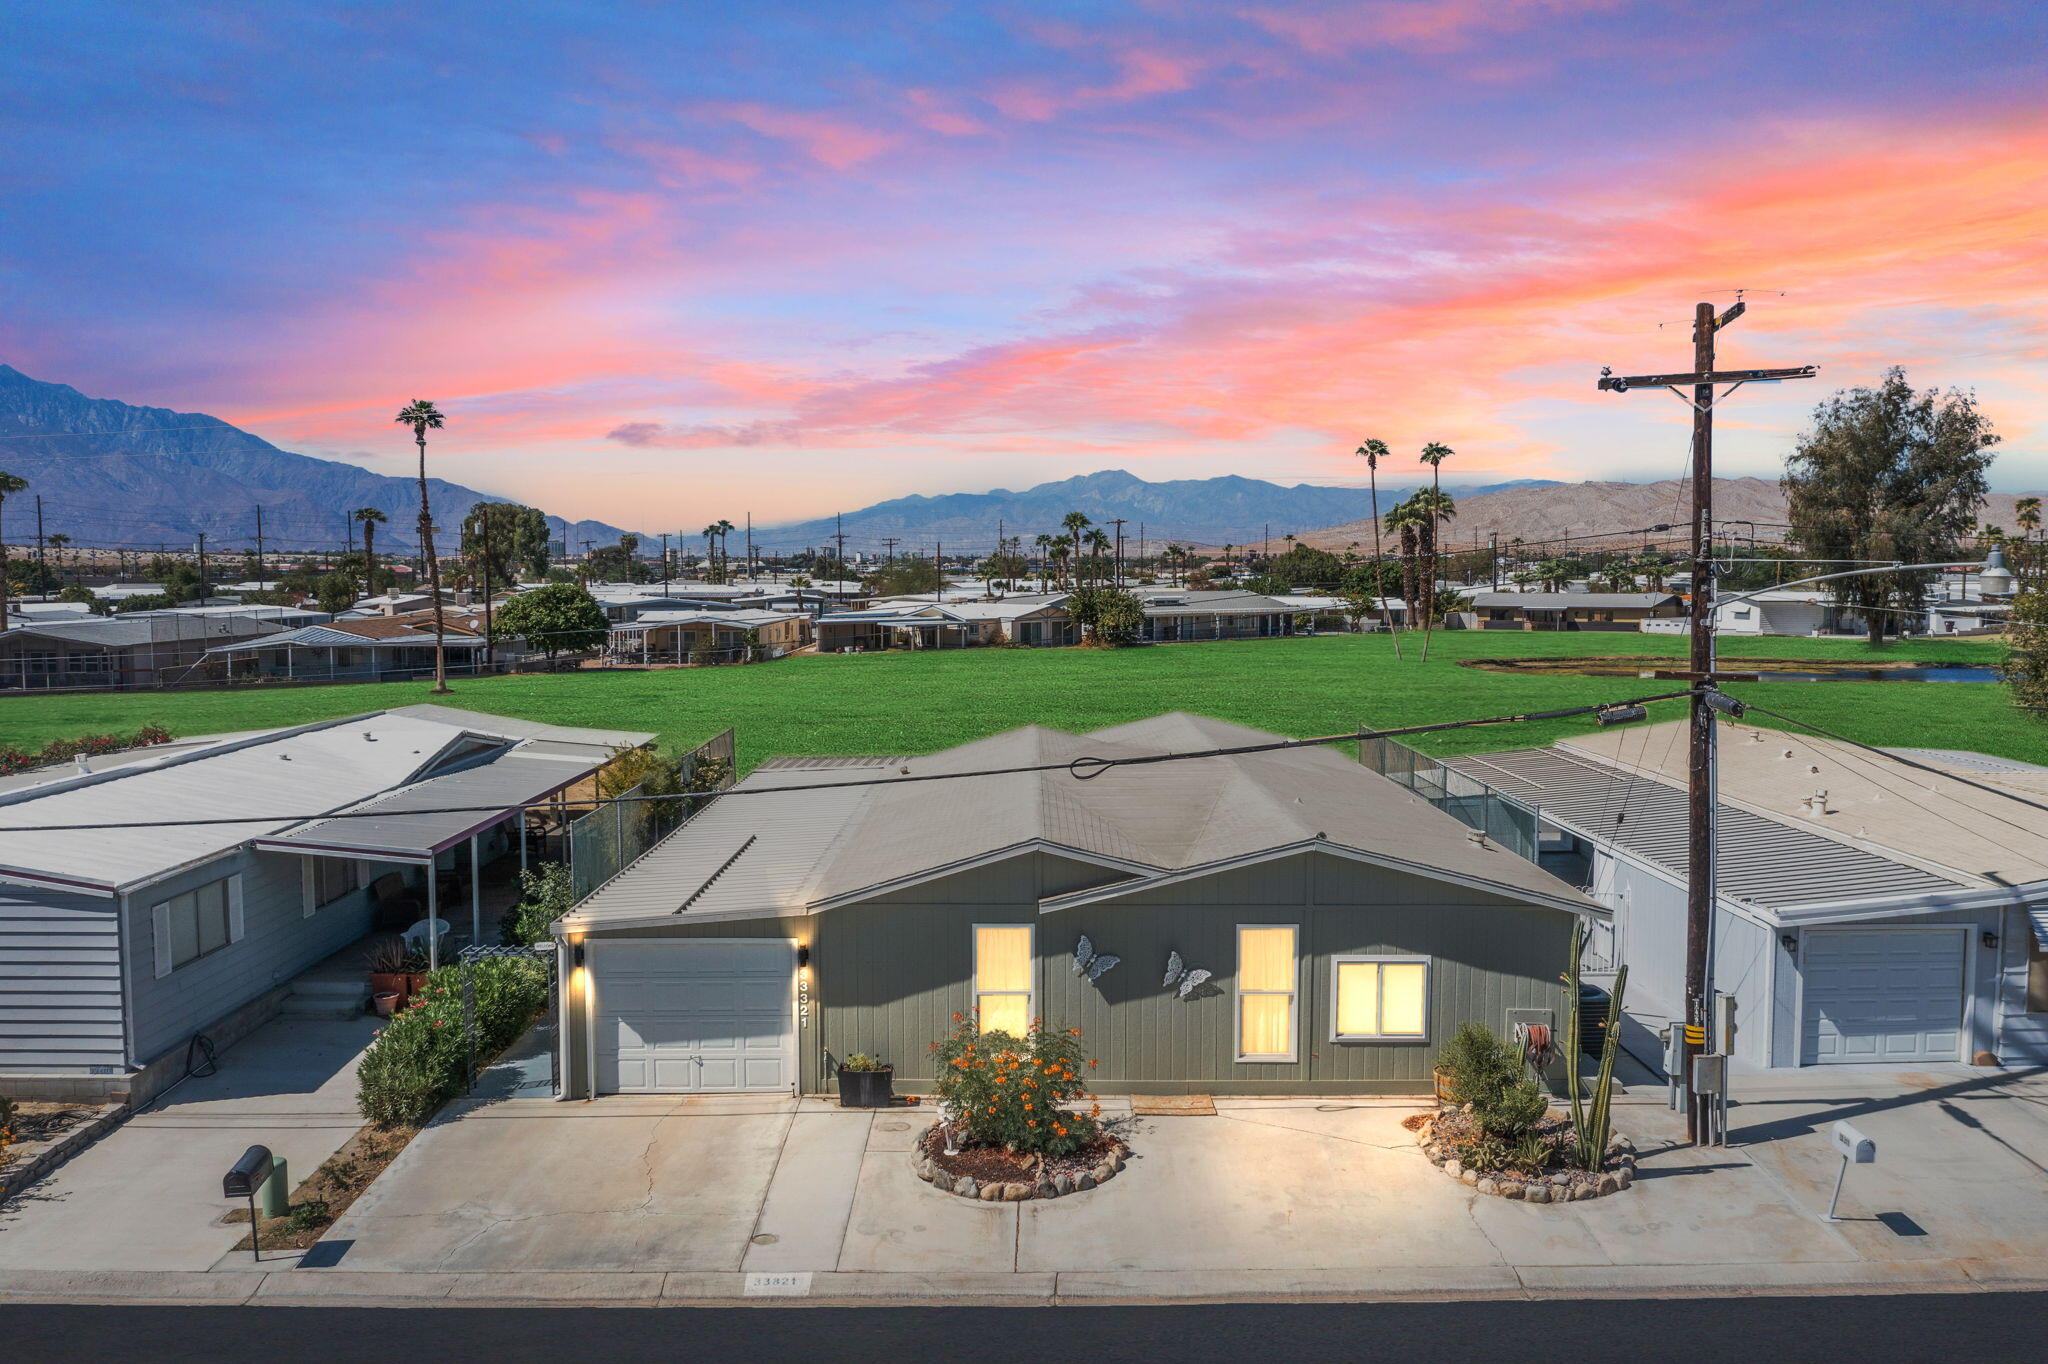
(1003, 977)
(1358, 998)
(1265, 958)
(1401, 990)
(1268, 1024)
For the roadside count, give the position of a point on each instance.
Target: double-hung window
(1268, 983)
(1379, 998)
(333, 877)
(1003, 974)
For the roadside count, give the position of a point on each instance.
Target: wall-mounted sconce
(1990, 940)
(1788, 941)
(577, 954)
(803, 955)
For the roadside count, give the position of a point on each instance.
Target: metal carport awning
(417, 823)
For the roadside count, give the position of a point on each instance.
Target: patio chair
(416, 935)
(396, 904)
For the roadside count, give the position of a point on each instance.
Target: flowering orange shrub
(1008, 1091)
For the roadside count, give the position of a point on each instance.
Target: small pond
(1764, 669)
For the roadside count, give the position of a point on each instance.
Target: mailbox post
(243, 1180)
(1855, 1149)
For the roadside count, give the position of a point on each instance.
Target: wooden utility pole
(202, 559)
(939, 567)
(889, 542)
(1701, 794)
(484, 571)
(1118, 522)
(259, 549)
(753, 569)
(42, 563)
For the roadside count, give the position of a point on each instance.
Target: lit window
(1380, 997)
(1266, 982)
(1002, 977)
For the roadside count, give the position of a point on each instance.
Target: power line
(1082, 769)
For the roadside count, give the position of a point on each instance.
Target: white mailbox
(1853, 1146)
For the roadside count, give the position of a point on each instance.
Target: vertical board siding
(889, 974)
(60, 981)
(278, 942)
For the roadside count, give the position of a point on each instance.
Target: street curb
(717, 1288)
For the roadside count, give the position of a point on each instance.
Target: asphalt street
(1984, 1327)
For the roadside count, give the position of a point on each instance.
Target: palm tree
(711, 552)
(1373, 451)
(1099, 545)
(725, 530)
(1433, 454)
(57, 543)
(369, 518)
(422, 416)
(1044, 544)
(2027, 513)
(1405, 520)
(9, 483)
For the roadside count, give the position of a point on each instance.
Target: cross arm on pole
(1622, 383)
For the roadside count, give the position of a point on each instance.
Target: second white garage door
(1884, 994)
(683, 1016)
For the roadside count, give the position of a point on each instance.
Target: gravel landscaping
(994, 1175)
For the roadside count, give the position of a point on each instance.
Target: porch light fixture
(803, 956)
(1788, 941)
(1990, 940)
(577, 954)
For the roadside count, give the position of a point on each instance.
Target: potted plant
(864, 1082)
(415, 972)
(386, 960)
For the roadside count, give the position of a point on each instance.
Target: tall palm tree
(57, 543)
(369, 518)
(1405, 520)
(1372, 452)
(711, 552)
(1433, 454)
(725, 530)
(1099, 545)
(1044, 544)
(422, 416)
(9, 483)
(2027, 515)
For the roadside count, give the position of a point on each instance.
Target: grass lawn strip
(924, 701)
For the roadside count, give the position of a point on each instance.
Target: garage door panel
(690, 1017)
(1884, 994)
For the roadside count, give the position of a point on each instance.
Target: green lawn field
(919, 702)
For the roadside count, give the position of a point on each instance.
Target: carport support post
(476, 896)
(433, 917)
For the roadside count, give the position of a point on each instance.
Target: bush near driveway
(1008, 1091)
(416, 1062)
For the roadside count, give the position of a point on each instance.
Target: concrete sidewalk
(147, 1195)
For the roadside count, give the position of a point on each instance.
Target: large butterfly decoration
(1177, 973)
(1089, 962)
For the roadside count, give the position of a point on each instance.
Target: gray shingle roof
(811, 849)
(1761, 860)
(1552, 601)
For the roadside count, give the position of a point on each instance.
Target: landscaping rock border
(1048, 1186)
(1564, 1186)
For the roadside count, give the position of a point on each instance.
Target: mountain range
(1568, 511)
(112, 474)
(1228, 509)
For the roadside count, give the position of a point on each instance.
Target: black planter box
(866, 1088)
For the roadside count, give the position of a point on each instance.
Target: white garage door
(1884, 994)
(694, 1017)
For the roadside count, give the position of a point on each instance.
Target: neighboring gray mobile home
(119, 944)
(832, 906)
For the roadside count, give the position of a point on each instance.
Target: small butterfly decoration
(1089, 962)
(1177, 973)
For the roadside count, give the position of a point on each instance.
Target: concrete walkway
(147, 1195)
(515, 1198)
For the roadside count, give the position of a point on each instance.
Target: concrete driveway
(147, 1195)
(1295, 1195)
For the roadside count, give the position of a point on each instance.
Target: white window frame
(974, 990)
(160, 926)
(1293, 1053)
(1380, 959)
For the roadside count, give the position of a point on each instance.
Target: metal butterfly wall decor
(1177, 973)
(1090, 963)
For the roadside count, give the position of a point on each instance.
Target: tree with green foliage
(9, 485)
(1888, 473)
(620, 563)
(1306, 566)
(86, 597)
(334, 592)
(369, 518)
(546, 893)
(1112, 617)
(902, 578)
(558, 618)
(519, 541)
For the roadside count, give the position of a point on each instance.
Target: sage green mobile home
(827, 907)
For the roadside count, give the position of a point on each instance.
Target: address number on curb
(778, 1285)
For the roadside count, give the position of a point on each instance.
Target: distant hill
(1228, 509)
(144, 476)
(1554, 511)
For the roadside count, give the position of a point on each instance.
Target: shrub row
(14, 759)
(416, 1062)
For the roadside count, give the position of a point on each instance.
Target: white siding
(60, 981)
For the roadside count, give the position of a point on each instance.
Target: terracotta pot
(415, 982)
(386, 1003)
(388, 983)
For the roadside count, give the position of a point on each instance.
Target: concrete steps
(313, 997)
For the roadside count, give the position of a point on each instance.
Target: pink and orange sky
(661, 263)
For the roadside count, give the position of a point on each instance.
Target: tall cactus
(1590, 1131)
